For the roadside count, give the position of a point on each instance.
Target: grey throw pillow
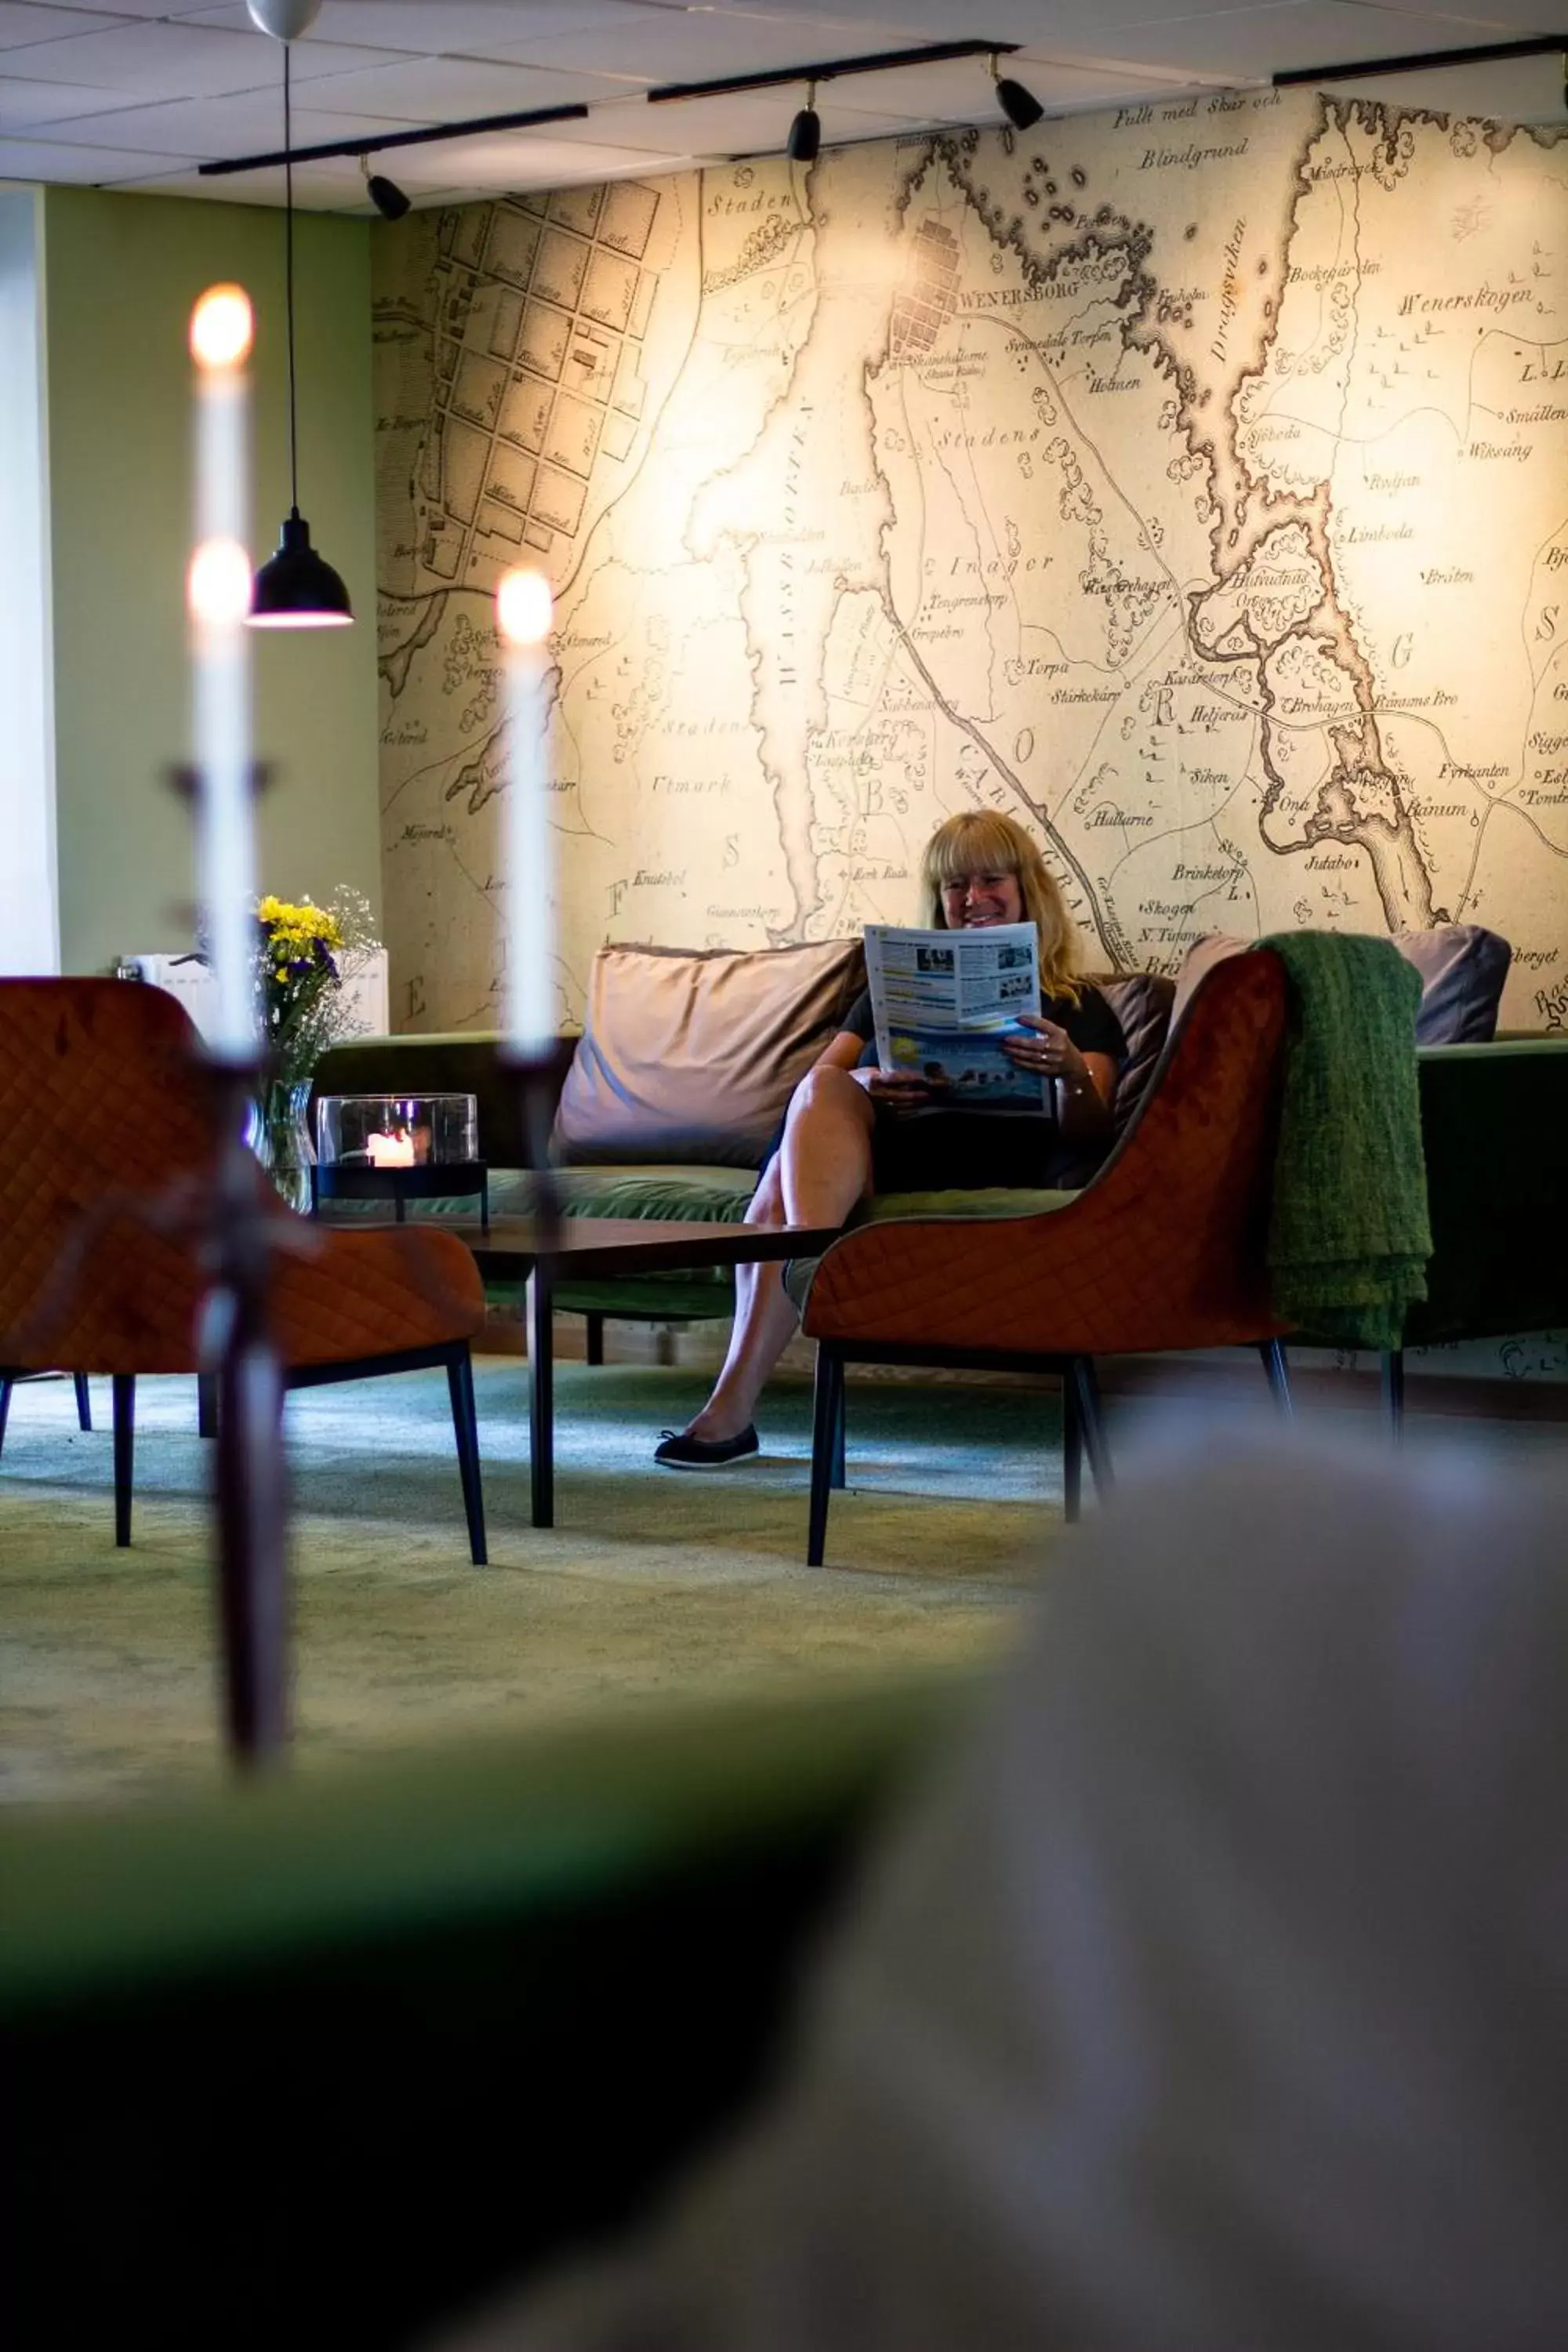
(1142, 1003)
(1462, 968)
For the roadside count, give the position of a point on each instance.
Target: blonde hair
(983, 841)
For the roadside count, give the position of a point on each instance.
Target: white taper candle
(523, 621)
(219, 599)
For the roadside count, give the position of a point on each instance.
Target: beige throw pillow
(692, 1054)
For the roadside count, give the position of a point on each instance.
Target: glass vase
(280, 1138)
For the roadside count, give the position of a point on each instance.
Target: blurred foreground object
(1219, 1998)
(320, 2062)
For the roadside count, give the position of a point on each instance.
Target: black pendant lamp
(296, 588)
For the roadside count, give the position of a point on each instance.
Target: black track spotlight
(805, 141)
(384, 195)
(1021, 107)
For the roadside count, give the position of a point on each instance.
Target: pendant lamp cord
(288, 281)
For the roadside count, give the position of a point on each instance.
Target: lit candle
(390, 1151)
(523, 619)
(219, 599)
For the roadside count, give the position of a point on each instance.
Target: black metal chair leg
(207, 1403)
(466, 1429)
(1393, 1391)
(1276, 1366)
(5, 1410)
(83, 1400)
(1081, 1373)
(123, 1388)
(1072, 1452)
(828, 1408)
(595, 1338)
(839, 1420)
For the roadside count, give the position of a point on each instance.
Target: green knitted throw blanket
(1349, 1237)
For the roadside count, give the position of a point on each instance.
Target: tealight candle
(390, 1151)
(218, 593)
(522, 620)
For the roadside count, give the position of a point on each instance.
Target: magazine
(944, 1001)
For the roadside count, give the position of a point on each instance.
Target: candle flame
(523, 608)
(218, 584)
(222, 327)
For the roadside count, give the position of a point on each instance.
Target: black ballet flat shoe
(678, 1453)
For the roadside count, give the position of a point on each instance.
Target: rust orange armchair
(1164, 1249)
(104, 1102)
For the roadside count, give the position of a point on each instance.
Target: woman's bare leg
(822, 1168)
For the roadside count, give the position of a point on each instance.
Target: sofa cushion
(690, 1054)
(706, 1195)
(1462, 968)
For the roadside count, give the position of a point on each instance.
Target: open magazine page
(943, 1000)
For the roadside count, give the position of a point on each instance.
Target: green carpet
(650, 1585)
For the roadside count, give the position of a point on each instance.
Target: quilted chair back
(1165, 1247)
(105, 1114)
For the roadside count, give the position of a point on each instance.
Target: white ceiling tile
(1249, 44)
(250, 122)
(448, 89)
(494, 164)
(42, 159)
(886, 20)
(1473, 21)
(152, 60)
(24, 104)
(170, 8)
(692, 44)
(25, 22)
(331, 187)
(475, 28)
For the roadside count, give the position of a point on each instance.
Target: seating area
(784, 1292)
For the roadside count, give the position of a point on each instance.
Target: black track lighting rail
(935, 53)
(1540, 45)
(439, 131)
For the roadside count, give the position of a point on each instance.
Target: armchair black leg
(841, 1417)
(827, 1409)
(206, 1404)
(1072, 1452)
(595, 1338)
(466, 1429)
(1276, 1365)
(123, 1389)
(83, 1400)
(1393, 1391)
(1080, 1372)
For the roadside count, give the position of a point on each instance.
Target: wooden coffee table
(601, 1249)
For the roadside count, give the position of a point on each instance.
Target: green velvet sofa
(1494, 1126)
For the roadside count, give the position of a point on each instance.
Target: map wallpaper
(1190, 481)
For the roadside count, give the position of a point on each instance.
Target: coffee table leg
(540, 1397)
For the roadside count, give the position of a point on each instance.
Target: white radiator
(189, 979)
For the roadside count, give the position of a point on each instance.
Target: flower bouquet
(307, 957)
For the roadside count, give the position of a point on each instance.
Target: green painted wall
(122, 272)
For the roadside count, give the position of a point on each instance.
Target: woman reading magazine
(852, 1129)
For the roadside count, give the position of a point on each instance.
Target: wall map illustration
(1190, 482)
